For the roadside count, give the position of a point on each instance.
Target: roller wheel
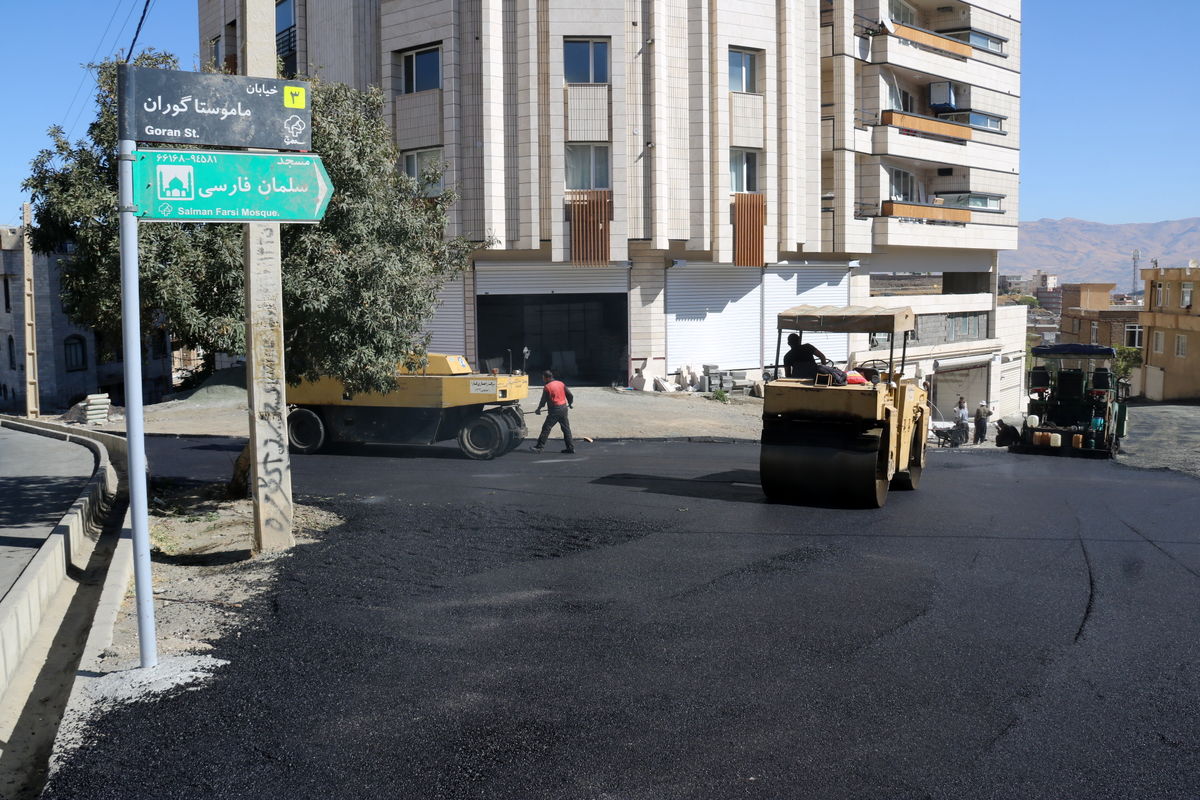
(483, 437)
(306, 431)
(513, 422)
(821, 467)
(910, 478)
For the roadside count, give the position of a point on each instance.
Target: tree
(357, 288)
(1128, 359)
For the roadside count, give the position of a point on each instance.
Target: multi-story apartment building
(1089, 317)
(1171, 321)
(659, 178)
(70, 358)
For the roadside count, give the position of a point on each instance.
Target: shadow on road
(37, 499)
(737, 485)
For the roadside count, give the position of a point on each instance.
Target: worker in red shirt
(558, 398)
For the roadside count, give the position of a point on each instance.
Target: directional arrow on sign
(218, 186)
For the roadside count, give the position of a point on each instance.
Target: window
(1181, 345)
(901, 99)
(7, 297)
(743, 170)
(903, 185)
(12, 353)
(974, 200)
(902, 12)
(1185, 295)
(1161, 294)
(214, 51)
(74, 353)
(979, 40)
(1095, 333)
(587, 166)
(422, 70)
(285, 34)
(285, 15)
(1159, 341)
(976, 119)
(963, 327)
(418, 162)
(742, 71)
(585, 60)
(1133, 335)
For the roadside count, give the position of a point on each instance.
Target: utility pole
(32, 408)
(270, 469)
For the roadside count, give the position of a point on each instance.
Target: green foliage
(720, 395)
(1027, 300)
(357, 288)
(1128, 359)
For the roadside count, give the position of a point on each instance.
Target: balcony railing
(589, 211)
(934, 41)
(939, 213)
(749, 226)
(923, 124)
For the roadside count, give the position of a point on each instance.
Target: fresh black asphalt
(636, 623)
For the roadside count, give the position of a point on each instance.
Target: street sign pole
(270, 471)
(135, 437)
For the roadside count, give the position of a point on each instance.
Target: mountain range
(1079, 251)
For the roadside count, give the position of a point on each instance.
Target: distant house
(1171, 345)
(68, 355)
(1089, 317)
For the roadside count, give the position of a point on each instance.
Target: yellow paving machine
(844, 443)
(444, 400)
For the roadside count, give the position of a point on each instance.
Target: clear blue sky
(1111, 101)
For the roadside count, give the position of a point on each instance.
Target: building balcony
(589, 212)
(924, 211)
(951, 60)
(933, 41)
(749, 227)
(931, 126)
(902, 228)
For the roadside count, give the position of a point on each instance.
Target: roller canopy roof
(847, 319)
(1071, 349)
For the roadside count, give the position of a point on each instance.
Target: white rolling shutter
(784, 287)
(1009, 397)
(714, 316)
(558, 279)
(447, 329)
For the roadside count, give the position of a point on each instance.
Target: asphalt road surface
(40, 478)
(636, 623)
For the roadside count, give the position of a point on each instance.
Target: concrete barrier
(69, 545)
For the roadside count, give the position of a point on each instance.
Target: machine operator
(801, 359)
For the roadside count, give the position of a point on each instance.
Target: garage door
(510, 279)
(784, 287)
(714, 316)
(1009, 397)
(447, 328)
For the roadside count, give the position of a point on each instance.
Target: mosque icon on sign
(176, 182)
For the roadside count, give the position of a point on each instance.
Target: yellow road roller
(846, 443)
(444, 400)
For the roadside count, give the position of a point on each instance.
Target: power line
(86, 72)
(136, 33)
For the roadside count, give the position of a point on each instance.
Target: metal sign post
(135, 438)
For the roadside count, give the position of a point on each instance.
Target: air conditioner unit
(941, 96)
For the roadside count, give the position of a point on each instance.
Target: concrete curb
(69, 546)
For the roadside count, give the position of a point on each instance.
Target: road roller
(443, 400)
(845, 444)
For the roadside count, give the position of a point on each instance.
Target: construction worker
(800, 361)
(981, 417)
(557, 398)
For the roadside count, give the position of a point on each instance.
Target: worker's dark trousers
(556, 415)
(980, 431)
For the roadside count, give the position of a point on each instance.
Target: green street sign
(211, 186)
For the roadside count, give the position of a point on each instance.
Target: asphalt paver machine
(844, 443)
(441, 401)
(1076, 403)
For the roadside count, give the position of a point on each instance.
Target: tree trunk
(238, 487)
